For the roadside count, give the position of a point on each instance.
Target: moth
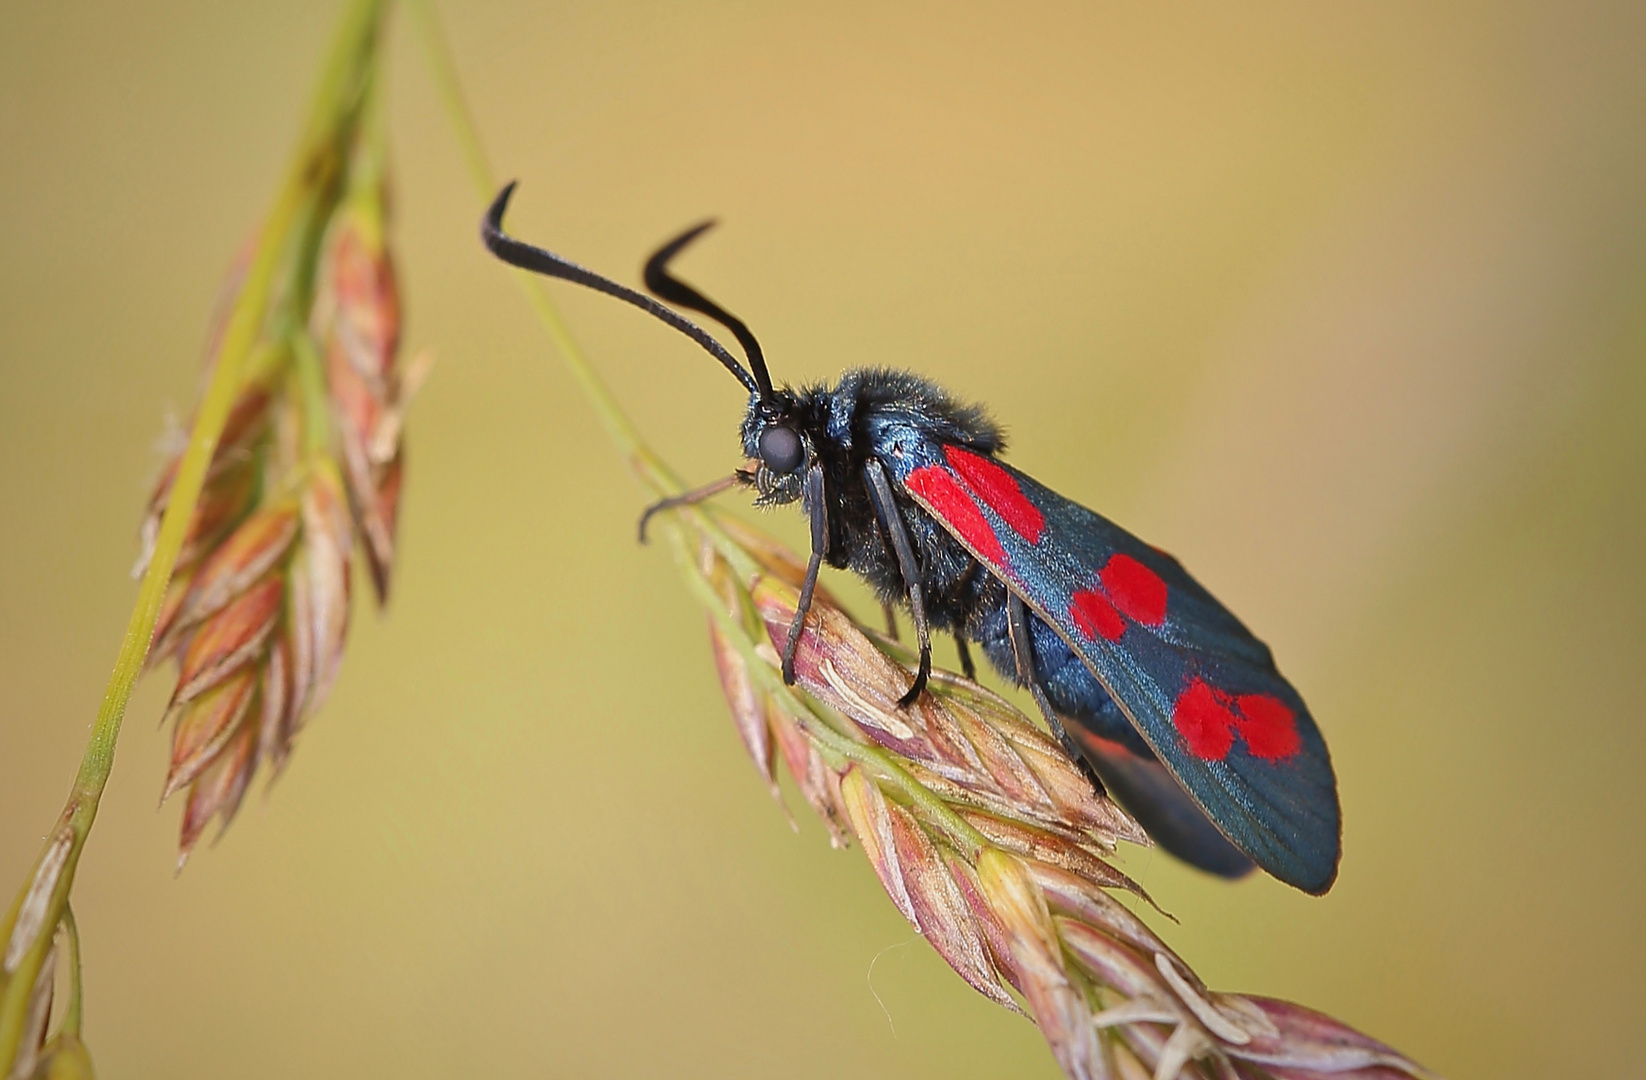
(1172, 704)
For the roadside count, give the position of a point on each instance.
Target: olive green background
(1345, 304)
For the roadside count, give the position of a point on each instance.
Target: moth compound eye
(781, 449)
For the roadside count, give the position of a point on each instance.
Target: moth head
(775, 440)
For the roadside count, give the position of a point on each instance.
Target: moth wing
(1167, 813)
(1200, 689)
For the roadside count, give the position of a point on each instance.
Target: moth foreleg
(817, 508)
(690, 498)
(880, 492)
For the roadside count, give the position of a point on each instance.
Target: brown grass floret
(987, 838)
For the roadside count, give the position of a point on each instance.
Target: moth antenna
(668, 287)
(538, 261)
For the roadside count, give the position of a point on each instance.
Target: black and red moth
(1177, 709)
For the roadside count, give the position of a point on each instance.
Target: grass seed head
(310, 460)
(986, 837)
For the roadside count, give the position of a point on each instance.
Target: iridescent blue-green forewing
(1193, 682)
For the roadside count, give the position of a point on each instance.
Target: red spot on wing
(1204, 721)
(1208, 720)
(999, 491)
(1135, 589)
(953, 503)
(1093, 615)
(1268, 726)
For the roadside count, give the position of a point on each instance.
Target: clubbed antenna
(668, 287)
(527, 257)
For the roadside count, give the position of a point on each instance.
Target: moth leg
(967, 668)
(817, 509)
(880, 491)
(690, 498)
(1017, 623)
(891, 620)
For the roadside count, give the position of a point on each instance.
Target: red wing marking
(999, 491)
(951, 502)
(1268, 726)
(1135, 589)
(1093, 615)
(1208, 719)
(1206, 724)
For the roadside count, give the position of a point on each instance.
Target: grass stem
(650, 469)
(43, 900)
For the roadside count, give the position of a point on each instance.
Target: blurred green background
(1341, 303)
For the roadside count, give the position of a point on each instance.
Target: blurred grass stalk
(275, 286)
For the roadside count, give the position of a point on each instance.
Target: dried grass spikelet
(61, 1055)
(32, 1054)
(987, 838)
(358, 318)
(258, 609)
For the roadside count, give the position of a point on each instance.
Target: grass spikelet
(358, 318)
(986, 837)
(244, 564)
(309, 468)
